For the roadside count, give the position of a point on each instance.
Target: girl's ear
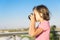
(41, 14)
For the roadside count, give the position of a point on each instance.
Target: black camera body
(29, 16)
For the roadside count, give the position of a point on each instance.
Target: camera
(29, 16)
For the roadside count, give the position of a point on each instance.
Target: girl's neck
(42, 20)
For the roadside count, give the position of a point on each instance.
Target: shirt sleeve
(44, 26)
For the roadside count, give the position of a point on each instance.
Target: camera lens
(31, 13)
(29, 17)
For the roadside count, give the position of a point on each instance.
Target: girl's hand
(32, 17)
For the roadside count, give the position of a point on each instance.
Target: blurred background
(14, 15)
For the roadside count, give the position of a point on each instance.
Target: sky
(14, 13)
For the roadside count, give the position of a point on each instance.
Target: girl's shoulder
(45, 22)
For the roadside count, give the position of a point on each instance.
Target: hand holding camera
(32, 17)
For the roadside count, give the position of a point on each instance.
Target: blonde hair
(44, 10)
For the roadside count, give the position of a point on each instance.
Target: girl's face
(36, 15)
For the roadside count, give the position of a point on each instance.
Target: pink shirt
(46, 31)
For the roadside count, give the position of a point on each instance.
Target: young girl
(40, 14)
